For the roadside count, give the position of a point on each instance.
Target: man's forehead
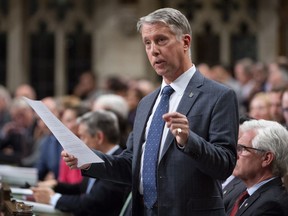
(155, 30)
(246, 136)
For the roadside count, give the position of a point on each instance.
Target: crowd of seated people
(25, 141)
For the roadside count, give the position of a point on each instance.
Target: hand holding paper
(72, 161)
(69, 141)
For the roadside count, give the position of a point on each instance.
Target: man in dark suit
(232, 190)
(100, 131)
(262, 162)
(233, 186)
(198, 144)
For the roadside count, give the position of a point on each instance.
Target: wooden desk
(10, 207)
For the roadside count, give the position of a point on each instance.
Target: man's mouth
(159, 62)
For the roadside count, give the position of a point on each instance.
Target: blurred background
(49, 43)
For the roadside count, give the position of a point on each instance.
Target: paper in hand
(69, 141)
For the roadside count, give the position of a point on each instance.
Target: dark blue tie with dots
(152, 148)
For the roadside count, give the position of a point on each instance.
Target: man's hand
(178, 125)
(42, 194)
(72, 161)
(48, 183)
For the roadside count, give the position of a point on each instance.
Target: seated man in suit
(231, 189)
(99, 130)
(261, 163)
(233, 186)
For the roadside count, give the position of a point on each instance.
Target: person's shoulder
(198, 77)
(275, 196)
(273, 190)
(119, 151)
(212, 86)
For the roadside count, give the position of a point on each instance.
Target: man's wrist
(87, 168)
(54, 199)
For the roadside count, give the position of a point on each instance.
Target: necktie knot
(243, 196)
(167, 90)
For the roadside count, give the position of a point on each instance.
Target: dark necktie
(152, 148)
(238, 202)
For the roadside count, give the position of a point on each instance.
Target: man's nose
(154, 49)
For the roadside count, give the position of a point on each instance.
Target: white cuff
(54, 199)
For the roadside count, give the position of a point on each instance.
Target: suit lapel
(140, 126)
(257, 194)
(233, 185)
(247, 203)
(84, 184)
(143, 115)
(189, 97)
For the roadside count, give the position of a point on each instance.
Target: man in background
(99, 131)
(261, 163)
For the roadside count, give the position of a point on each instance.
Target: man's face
(275, 106)
(69, 119)
(274, 78)
(165, 52)
(285, 106)
(249, 161)
(259, 108)
(90, 141)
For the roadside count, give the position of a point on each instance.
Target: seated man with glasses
(262, 161)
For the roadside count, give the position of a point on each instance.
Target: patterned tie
(152, 149)
(238, 202)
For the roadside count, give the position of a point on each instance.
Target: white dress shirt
(179, 86)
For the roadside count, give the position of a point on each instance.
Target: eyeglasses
(242, 148)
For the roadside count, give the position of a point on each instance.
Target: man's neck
(107, 147)
(250, 183)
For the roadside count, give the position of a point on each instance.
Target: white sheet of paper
(69, 141)
(22, 191)
(17, 176)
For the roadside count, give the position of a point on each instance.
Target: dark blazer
(50, 155)
(231, 191)
(270, 199)
(188, 180)
(105, 197)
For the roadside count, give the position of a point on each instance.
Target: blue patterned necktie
(152, 148)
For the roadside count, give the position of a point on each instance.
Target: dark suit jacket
(231, 191)
(188, 180)
(270, 199)
(50, 155)
(105, 197)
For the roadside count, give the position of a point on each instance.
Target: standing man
(197, 144)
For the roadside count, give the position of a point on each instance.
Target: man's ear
(187, 41)
(268, 158)
(100, 136)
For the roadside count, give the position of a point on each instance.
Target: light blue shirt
(255, 187)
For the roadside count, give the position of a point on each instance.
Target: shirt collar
(111, 151)
(255, 187)
(180, 84)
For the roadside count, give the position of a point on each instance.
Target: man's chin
(160, 71)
